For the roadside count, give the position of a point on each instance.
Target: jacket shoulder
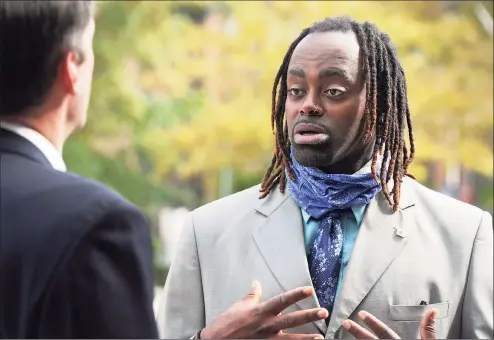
(224, 208)
(458, 219)
(87, 191)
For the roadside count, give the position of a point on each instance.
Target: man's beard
(316, 156)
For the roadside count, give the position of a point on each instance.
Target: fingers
(255, 293)
(377, 326)
(428, 325)
(297, 318)
(279, 303)
(357, 331)
(282, 335)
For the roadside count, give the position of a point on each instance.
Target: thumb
(428, 325)
(255, 294)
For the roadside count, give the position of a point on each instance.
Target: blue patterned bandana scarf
(325, 197)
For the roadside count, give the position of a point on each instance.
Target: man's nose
(311, 106)
(311, 110)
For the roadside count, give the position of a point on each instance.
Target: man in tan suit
(339, 211)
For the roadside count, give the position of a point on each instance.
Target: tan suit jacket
(434, 249)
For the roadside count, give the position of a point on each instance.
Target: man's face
(325, 103)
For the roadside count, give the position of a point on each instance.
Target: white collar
(40, 141)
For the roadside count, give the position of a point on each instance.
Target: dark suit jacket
(76, 257)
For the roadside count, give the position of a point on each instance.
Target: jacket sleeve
(181, 310)
(477, 314)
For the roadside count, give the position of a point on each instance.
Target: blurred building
(458, 182)
(171, 221)
(170, 225)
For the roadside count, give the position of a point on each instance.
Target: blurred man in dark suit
(76, 257)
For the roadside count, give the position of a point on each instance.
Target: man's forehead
(340, 47)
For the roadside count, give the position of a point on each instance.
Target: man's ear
(69, 70)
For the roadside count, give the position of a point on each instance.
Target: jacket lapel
(280, 240)
(382, 236)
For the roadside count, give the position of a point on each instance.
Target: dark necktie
(325, 259)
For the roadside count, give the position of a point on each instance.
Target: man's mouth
(309, 134)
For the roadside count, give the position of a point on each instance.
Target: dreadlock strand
(387, 104)
(282, 181)
(390, 149)
(270, 169)
(398, 171)
(396, 141)
(383, 174)
(288, 168)
(397, 185)
(403, 108)
(390, 127)
(271, 183)
(371, 38)
(362, 41)
(275, 163)
(409, 123)
(374, 164)
(379, 124)
(394, 137)
(275, 91)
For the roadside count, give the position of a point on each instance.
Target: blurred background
(180, 108)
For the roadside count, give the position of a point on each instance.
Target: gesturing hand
(382, 331)
(251, 319)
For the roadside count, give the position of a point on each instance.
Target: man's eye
(296, 92)
(334, 92)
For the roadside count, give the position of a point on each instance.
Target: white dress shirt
(40, 141)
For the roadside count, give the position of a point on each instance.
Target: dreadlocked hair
(386, 109)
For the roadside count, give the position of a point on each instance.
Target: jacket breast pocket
(416, 313)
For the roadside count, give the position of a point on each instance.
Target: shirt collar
(367, 166)
(357, 210)
(44, 145)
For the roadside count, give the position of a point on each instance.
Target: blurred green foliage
(182, 90)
